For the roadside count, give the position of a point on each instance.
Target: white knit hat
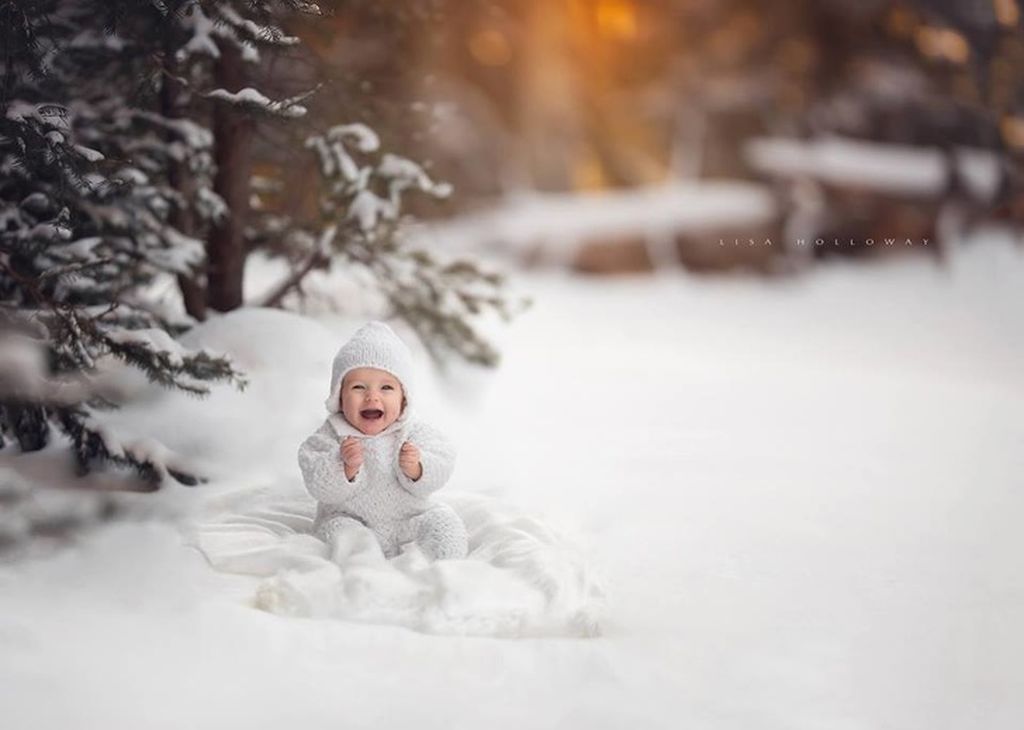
(375, 345)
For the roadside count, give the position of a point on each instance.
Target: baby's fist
(352, 456)
(409, 461)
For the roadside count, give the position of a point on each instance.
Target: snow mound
(266, 339)
(520, 578)
(240, 435)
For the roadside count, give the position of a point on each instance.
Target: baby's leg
(440, 533)
(348, 538)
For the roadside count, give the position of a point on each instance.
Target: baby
(371, 462)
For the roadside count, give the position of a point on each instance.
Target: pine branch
(316, 258)
(91, 444)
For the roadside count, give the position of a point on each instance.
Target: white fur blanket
(520, 578)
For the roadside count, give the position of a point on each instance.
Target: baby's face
(371, 399)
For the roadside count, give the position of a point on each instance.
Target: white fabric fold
(520, 579)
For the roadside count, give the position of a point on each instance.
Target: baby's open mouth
(372, 414)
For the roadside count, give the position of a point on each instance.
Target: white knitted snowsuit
(381, 496)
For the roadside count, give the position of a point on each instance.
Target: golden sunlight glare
(616, 18)
(942, 43)
(1012, 128)
(1007, 12)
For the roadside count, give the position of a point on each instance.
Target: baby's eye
(358, 387)
(388, 387)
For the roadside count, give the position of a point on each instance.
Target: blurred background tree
(584, 94)
(603, 95)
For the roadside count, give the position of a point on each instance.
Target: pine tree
(82, 233)
(213, 61)
(360, 197)
(360, 214)
(125, 157)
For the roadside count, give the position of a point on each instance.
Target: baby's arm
(323, 470)
(437, 457)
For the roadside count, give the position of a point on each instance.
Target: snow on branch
(402, 174)
(194, 135)
(365, 139)
(54, 116)
(94, 442)
(361, 196)
(202, 42)
(252, 100)
(439, 298)
(350, 186)
(306, 7)
(247, 29)
(332, 151)
(228, 24)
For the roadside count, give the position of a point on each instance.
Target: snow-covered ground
(803, 497)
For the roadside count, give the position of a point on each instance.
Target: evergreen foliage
(125, 161)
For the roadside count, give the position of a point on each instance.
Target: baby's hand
(352, 456)
(409, 461)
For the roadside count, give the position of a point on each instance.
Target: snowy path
(805, 508)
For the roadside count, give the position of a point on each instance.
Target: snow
(561, 222)
(83, 249)
(265, 33)
(88, 153)
(803, 495)
(36, 202)
(52, 115)
(368, 210)
(182, 254)
(132, 175)
(331, 148)
(886, 168)
(201, 43)
(156, 340)
(250, 53)
(403, 173)
(90, 40)
(213, 206)
(194, 135)
(366, 139)
(253, 98)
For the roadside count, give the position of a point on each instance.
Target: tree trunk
(232, 132)
(193, 292)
